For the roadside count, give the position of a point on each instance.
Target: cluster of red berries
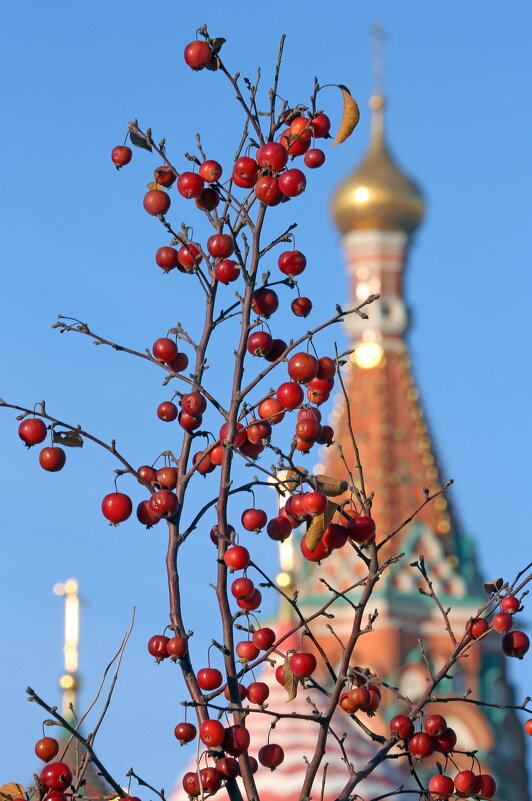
(32, 431)
(437, 736)
(56, 777)
(365, 698)
(514, 643)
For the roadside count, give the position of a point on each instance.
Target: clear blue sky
(76, 241)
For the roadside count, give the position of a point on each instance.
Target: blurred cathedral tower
(377, 209)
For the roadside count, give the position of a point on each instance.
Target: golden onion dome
(377, 195)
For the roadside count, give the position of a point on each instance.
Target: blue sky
(76, 241)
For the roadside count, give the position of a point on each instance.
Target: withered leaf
(350, 116)
(289, 682)
(72, 439)
(216, 44)
(493, 586)
(331, 486)
(318, 526)
(292, 479)
(214, 63)
(155, 185)
(11, 790)
(139, 141)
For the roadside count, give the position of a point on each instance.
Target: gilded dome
(377, 195)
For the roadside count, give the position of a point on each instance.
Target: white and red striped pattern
(298, 739)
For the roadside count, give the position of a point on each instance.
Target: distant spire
(379, 37)
(69, 680)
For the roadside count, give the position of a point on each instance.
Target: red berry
(210, 171)
(265, 302)
(334, 536)
(252, 603)
(157, 646)
(190, 184)
(246, 650)
(238, 439)
(279, 528)
(271, 755)
(515, 643)
(476, 627)
(314, 158)
(301, 307)
(302, 367)
(147, 473)
(254, 519)
(247, 170)
(212, 733)
(321, 125)
(272, 156)
(228, 767)
(279, 675)
(259, 343)
(191, 784)
(421, 745)
(166, 258)
(528, 727)
(464, 782)
(56, 776)
(164, 175)
(326, 436)
(193, 403)
(361, 529)
(236, 740)
(117, 507)
(209, 678)
(272, 410)
(198, 55)
(441, 787)
(185, 732)
(202, 462)
(302, 664)
(167, 411)
(121, 155)
(314, 503)
(296, 145)
(164, 503)
(326, 368)
(290, 395)
(177, 647)
(220, 246)
(52, 459)
(268, 191)
(46, 748)
(164, 349)
(319, 553)
(189, 421)
(446, 741)
(156, 202)
(263, 638)
(487, 785)
(502, 622)
(226, 271)
(292, 182)
(180, 363)
(189, 257)
(237, 557)
(211, 780)
(510, 604)
(244, 183)
(32, 431)
(242, 588)
(208, 200)
(258, 431)
(145, 515)
(277, 350)
(292, 262)
(435, 725)
(402, 726)
(167, 477)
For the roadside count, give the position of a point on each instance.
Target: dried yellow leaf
(350, 116)
(10, 791)
(318, 526)
(331, 486)
(289, 682)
